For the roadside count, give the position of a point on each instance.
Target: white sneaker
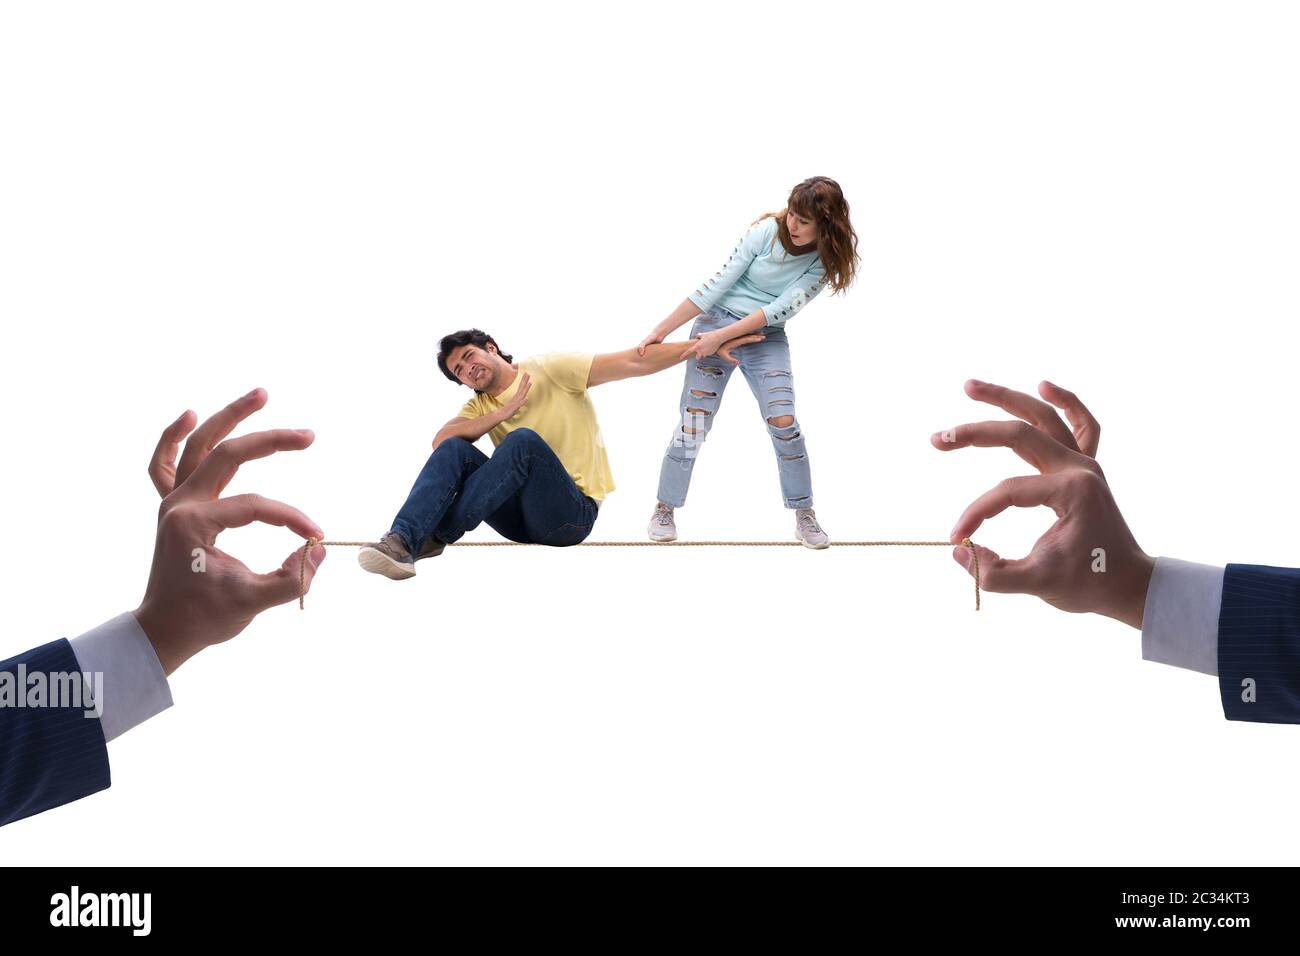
(662, 527)
(808, 531)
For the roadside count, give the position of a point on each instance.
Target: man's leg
(524, 492)
(554, 509)
(440, 482)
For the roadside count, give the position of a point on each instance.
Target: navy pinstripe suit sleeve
(1259, 644)
(49, 756)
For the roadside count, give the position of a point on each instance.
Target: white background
(201, 199)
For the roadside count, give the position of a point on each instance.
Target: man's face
(479, 368)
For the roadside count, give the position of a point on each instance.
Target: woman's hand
(718, 343)
(654, 338)
(704, 345)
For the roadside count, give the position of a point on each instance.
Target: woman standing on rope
(776, 269)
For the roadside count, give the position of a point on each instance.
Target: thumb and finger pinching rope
(966, 542)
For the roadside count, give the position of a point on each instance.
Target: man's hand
(519, 399)
(162, 467)
(1088, 560)
(724, 350)
(197, 594)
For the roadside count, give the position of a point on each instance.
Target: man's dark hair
(454, 341)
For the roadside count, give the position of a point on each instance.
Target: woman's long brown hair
(820, 199)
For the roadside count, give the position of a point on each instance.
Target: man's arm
(472, 429)
(1180, 622)
(1240, 623)
(630, 363)
(613, 366)
(55, 754)
(49, 756)
(121, 665)
(1259, 644)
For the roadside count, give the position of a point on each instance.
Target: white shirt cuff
(1180, 622)
(132, 687)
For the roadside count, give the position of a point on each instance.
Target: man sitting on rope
(549, 473)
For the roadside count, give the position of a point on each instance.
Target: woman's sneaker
(808, 531)
(388, 557)
(662, 527)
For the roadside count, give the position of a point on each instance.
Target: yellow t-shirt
(560, 411)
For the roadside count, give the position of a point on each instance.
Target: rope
(970, 545)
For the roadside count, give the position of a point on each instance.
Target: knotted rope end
(302, 572)
(975, 558)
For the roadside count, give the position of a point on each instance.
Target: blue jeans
(766, 366)
(522, 491)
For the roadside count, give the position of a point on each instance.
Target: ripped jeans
(766, 366)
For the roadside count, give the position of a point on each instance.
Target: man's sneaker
(808, 531)
(662, 527)
(389, 557)
(432, 548)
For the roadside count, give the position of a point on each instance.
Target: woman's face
(802, 231)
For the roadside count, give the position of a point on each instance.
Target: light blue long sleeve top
(761, 275)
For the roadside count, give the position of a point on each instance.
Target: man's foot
(432, 548)
(388, 557)
(662, 527)
(808, 531)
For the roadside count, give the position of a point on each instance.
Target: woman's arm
(676, 319)
(774, 315)
(710, 291)
(710, 342)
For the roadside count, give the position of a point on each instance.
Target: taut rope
(966, 542)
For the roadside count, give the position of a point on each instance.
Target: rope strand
(966, 542)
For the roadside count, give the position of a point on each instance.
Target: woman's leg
(706, 379)
(766, 366)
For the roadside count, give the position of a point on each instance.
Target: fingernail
(252, 393)
(306, 431)
(976, 381)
